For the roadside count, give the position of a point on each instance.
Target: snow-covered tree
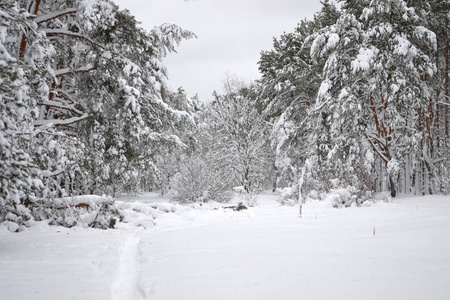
(238, 137)
(84, 85)
(173, 157)
(228, 148)
(358, 95)
(435, 167)
(105, 91)
(288, 88)
(17, 112)
(374, 82)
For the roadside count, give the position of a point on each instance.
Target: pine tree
(86, 102)
(107, 73)
(374, 83)
(435, 17)
(288, 88)
(173, 156)
(20, 89)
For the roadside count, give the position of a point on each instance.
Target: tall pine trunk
(33, 8)
(446, 142)
(392, 187)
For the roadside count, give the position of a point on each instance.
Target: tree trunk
(392, 187)
(246, 179)
(33, 8)
(446, 84)
(300, 188)
(446, 142)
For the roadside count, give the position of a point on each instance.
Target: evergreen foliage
(352, 102)
(81, 110)
(357, 95)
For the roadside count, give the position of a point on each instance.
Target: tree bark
(33, 9)
(392, 187)
(446, 85)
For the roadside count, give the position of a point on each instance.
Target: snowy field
(397, 250)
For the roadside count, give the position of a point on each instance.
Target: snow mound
(144, 214)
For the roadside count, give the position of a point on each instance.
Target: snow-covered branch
(51, 32)
(375, 148)
(61, 122)
(56, 104)
(67, 71)
(65, 94)
(47, 173)
(55, 15)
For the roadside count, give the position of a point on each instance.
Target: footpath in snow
(397, 250)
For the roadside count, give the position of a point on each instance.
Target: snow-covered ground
(397, 250)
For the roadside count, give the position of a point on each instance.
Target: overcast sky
(231, 34)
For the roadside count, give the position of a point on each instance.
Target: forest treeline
(353, 102)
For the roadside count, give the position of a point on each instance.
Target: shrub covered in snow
(198, 181)
(86, 211)
(288, 195)
(145, 214)
(250, 199)
(337, 196)
(342, 196)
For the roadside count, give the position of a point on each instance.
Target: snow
(323, 90)
(317, 45)
(393, 167)
(363, 60)
(65, 71)
(130, 67)
(343, 94)
(333, 40)
(397, 250)
(124, 285)
(426, 34)
(403, 47)
(370, 158)
(54, 14)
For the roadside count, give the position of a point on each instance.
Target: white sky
(231, 34)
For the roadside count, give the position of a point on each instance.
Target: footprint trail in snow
(125, 285)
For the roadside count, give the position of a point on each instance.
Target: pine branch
(374, 147)
(61, 122)
(46, 173)
(67, 71)
(65, 94)
(55, 15)
(58, 105)
(51, 32)
(33, 8)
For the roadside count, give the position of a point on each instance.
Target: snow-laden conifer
(86, 79)
(374, 82)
